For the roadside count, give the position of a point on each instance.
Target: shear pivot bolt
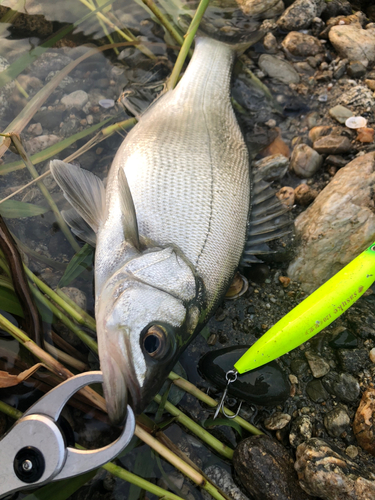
(27, 465)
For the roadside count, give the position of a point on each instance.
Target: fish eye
(155, 341)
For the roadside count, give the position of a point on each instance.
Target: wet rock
(224, 481)
(278, 69)
(301, 45)
(359, 96)
(340, 69)
(272, 167)
(41, 142)
(304, 195)
(336, 160)
(255, 7)
(47, 62)
(305, 162)
(258, 273)
(343, 339)
(266, 470)
(266, 385)
(343, 217)
(301, 430)
(50, 119)
(285, 281)
(344, 386)
(316, 391)
(354, 43)
(364, 420)
(304, 68)
(69, 127)
(370, 84)
(299, 366)
(372, 355)
(336, 421)
(270, 42)
(352, 451)
(365, 135)
(318, 366)
(300, 14)
(277, 421)
(336, 8)
(356, 69)
(35, 129)
(286, 196)
(76, 99)
(333, 144)
(325, 471)
(340, 113)
(352, 360)
(76, 295)
(319, 132)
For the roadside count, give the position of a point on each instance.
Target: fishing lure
(307, 319)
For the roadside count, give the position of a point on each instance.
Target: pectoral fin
(129, 219)
(84, 191)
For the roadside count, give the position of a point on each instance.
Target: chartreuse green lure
(313, 314)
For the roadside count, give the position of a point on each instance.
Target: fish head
(146, 315)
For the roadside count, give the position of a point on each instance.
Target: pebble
(365, 135)
(277, 421)
(301, 430)
(336, 421)
(354, 43)
(372, 355)
(342, 338)
(352, 451)
(277, 68)
(76, 99)
(340, 113)
(76, 295)
(316, 391)
(329, 474)
(305, 162)
(258, 273)
(318, 132)
(343, 385)
(364, 421)
(266, 470)
(300, 14)
(270, 42)
(359, 96)
(370, 84)
(272, 167)
(224, 481)
(356, 69)
(35, 129)
(256, 7)
(336, 160)
(304, 195)
(47, 62)
(41, 142)
(351, 359)
(333, 144)
(318, 366)
(50, 119)
(299, 367)
(285, 281)
(301, 45)
(286, 196)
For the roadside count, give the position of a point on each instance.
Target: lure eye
(155, 341)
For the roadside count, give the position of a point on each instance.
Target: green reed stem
(164, 21)
(86, 339)
(189, 37)
(45, 192)
(187, 386)
(10, 411)
(197, 429)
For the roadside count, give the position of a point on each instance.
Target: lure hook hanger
(231, 376)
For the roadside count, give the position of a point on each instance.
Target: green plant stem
(64, 302)
(86, 339)
(197, 429)
(205, 398)
(127, 36)
(164, 21)
(189, 37)
(139, 481)
(10, 411)
(87, 320)
(45, 192)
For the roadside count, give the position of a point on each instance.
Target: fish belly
(187, 166)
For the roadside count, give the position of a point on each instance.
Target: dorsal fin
(268, 221)
(84, 191)
(129, 217)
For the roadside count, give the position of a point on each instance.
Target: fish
(180, 212)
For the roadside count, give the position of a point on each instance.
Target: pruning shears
(307, 319)
(35, 451)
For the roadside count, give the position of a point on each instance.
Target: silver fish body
(187, 167)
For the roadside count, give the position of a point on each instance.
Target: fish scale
(188, 170)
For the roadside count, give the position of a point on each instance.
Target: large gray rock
(354, 43)
(305, 162)
(301, 45)
(328, 473)
(300, 14)
(279, 69)
(338, 226)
